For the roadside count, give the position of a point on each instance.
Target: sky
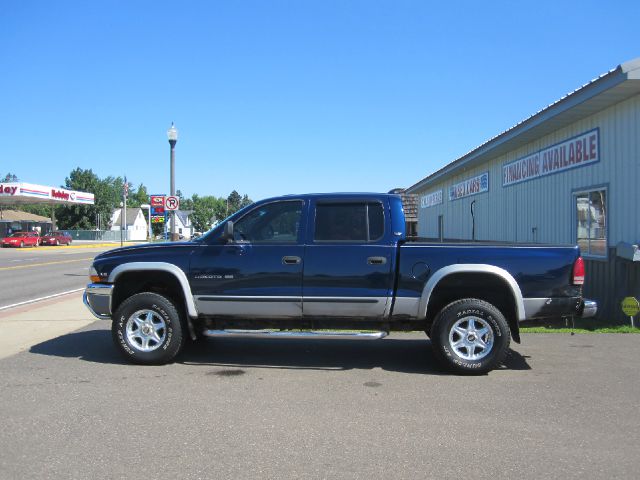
(279, 97)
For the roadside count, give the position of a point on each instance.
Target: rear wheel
(470, 336)
(147, 329)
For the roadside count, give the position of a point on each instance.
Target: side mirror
(227, 233)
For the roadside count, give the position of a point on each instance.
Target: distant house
(184, 227)
(136, 227)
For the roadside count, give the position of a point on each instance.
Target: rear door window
(349, 222)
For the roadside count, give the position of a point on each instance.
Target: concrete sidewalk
(23, 327)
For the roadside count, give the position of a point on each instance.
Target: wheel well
(156, 281)
(483, 286)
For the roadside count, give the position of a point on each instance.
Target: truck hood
(144, 249)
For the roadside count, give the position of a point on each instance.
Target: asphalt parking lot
(563, 407)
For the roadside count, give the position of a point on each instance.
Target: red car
(56, 238)
(21, 239)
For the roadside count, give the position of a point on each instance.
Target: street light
(172, 135)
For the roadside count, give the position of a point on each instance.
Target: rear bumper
(589, 308)
(97, 298)
(559, 307)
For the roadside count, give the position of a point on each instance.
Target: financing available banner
(578, 151)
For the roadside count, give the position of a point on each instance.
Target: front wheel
(147, 329)
(470, 336)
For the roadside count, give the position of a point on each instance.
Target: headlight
(93, 275)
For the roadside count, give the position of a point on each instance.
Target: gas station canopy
(28, 193)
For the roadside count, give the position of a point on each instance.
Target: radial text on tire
(147, 328)
(470, 336)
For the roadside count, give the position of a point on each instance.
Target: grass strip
(581, 326)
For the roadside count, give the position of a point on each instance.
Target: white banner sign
(575, 152)
(472, 186)
(22, 192)
(431, 199)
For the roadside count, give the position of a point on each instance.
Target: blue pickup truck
(332, 265)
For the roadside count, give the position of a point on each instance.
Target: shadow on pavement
(406, 355)
(89, 345)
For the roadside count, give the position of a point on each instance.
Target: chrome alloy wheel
(146, 330)
(471, 338)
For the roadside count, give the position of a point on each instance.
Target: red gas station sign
(157, 208)
(157, 201)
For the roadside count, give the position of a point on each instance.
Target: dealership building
(569, 174)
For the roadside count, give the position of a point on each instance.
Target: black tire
(465, 354)
(129, 336)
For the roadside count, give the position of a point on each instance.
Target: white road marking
(34, 300)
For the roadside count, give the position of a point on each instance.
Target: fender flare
(165, 267)
(501, 273)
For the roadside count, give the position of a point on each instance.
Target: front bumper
(97, 298)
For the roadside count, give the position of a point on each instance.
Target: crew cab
(332, 265)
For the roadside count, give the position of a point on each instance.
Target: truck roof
(333, 195)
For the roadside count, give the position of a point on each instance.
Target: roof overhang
(29, 193)
(610, 88)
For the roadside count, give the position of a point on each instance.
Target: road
(564, 407)
(30, 273)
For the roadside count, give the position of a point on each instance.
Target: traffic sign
(172, 203)
(630, 306)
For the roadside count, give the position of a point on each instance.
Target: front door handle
(376, 260)
(291, 260)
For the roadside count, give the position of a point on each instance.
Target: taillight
(578, 272)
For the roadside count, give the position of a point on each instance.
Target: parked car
(56, 238)
(21, 239)
(332, 264)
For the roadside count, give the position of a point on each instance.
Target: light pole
(172, 135)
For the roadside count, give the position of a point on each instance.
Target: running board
(293, 334)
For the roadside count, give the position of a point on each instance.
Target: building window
(591, 215)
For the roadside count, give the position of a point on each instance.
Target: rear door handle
(376, 260)
(291, 260)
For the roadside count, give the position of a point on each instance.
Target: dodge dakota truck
(332, 266)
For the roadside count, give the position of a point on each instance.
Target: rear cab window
(360, 222)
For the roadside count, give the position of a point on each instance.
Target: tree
(185, 203)
(246, 201)
(234, 200)
(138, 197)
(206, 211)
(107, 192)
(10, 178)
